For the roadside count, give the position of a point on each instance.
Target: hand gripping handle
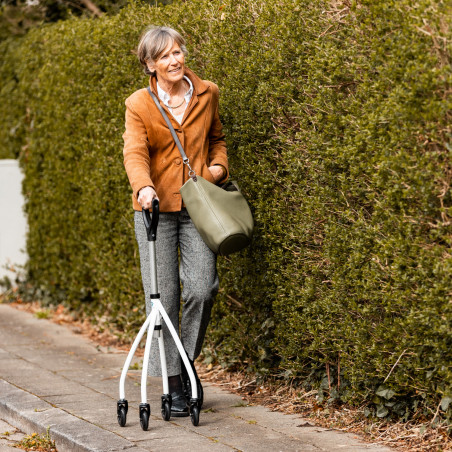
(151, 223)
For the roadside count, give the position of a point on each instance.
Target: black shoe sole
(179, 414)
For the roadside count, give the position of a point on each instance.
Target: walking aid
(153, 325)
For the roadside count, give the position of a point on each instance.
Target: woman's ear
(150, 66)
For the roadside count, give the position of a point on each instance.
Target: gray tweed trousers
(196, 272)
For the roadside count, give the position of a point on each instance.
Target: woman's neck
(174, 89)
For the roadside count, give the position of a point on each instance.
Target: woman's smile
(169, 67)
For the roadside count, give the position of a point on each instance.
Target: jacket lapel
(199, 88)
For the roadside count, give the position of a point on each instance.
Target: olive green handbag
(220, 214)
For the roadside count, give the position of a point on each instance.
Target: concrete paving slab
(53, 377)
(14, 366)
(290, 425)
(177, 443)
(9, 437)
(30, 413)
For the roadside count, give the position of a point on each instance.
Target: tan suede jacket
(151, 157)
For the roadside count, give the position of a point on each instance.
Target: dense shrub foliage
(12, 111)
(337, 116)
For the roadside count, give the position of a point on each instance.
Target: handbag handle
(185, 159)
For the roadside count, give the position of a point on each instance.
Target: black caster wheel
(145, 412)
(122, 412)
(194, 415)
(122, 416)
(166, 411)
(144, 420)
(166, 406)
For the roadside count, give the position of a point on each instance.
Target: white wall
(13, 224)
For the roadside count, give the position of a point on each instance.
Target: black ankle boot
(187, 386)
(179, 406)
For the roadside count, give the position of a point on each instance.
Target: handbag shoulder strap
(191, 173)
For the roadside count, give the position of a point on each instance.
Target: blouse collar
(165, 97)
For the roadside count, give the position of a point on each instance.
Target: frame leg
(147, 352)
(158, 305)
(130, 356)
(162, 355)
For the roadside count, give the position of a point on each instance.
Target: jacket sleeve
(136, 151)
(217, 144)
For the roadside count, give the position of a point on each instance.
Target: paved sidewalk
(50, 376)
(9, 436)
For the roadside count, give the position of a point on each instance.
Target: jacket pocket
(206, 174)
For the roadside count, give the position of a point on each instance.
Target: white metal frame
(153, 320)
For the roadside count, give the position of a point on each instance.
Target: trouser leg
(200, 284)
(168, 284)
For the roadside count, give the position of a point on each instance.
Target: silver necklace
(177, 106)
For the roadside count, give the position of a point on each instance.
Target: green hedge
(12, 111)
(338, 126)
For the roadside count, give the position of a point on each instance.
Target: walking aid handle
(151, 223)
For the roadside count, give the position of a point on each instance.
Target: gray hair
(154, 41)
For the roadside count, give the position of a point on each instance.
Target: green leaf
(385, 392)
(382, 411)
(445, 402)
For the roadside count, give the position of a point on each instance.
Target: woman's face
(170, 65)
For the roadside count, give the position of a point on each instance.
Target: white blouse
(165, 97)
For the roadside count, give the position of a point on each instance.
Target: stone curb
(72, 434)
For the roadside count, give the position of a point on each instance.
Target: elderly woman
(155, 170)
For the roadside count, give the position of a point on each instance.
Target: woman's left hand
(217, 172)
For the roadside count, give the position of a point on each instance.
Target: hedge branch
(91, 7)
(328, 374)
(393, 367)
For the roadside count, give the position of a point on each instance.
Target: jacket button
(175, 195)
(177, 162)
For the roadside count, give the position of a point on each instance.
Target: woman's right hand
(145, 197)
